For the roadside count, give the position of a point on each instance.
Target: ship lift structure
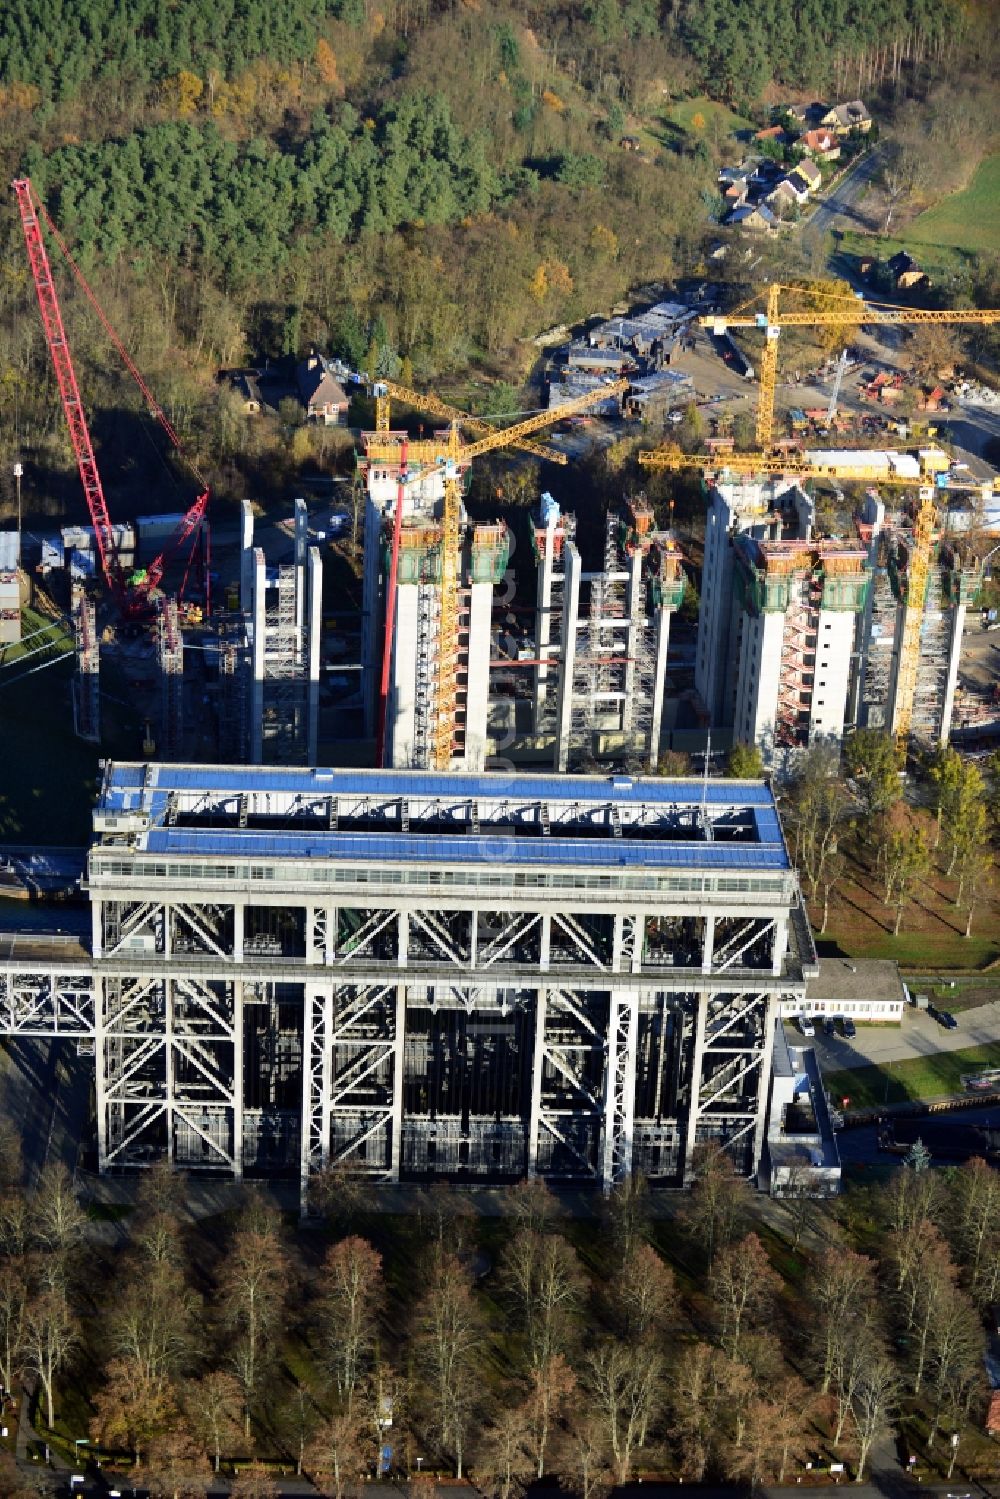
(134, 595)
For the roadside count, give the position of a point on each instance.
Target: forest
(715, 1336)
(421, 185)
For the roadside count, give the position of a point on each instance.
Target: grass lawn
(940, 261)
(969, 220)
(910, 1080)
(715, 116)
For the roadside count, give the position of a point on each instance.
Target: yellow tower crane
(449, 456)
(388, 390)
(838, 310)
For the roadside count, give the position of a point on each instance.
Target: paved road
(840, 209)
(918, 1036)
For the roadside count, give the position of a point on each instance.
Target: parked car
(850, 1029)
(806, 1026)
(830, 1026)
(947, 1019)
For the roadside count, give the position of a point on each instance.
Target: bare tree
(978, 1213)
(452, 1218)
(876, 1393)
(585, 1465)
(533, 1204)
(130, 1408)
(254, 1284)
(542, 1273)
(643, 1295)
(743, 1287)
(844, 1289)
(213, 1406)
(628, 1214)
(505, 1465)
(50, 1337)
(716, 1204)
(447, 1336)
(13, 1305)
(177, 1466)
(254, 1481)
(353, 1292)
(153, 1321)
(624, 1384)
(336, 1452)
(59, 1223)
(933, 1283)
(552, 1384)
(956, 1347)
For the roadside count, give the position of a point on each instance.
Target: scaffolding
(87, 682)
(170, 657)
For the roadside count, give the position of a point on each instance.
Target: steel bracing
(496, 1018)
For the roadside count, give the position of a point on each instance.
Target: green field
(716, 116)
(969, 220)
(910, 1080)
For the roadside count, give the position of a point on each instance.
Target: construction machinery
(448, 456)
(386, 391)
(838, 310)
(133, 594)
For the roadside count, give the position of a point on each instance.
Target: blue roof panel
(413, 848)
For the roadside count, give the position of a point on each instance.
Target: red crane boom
(55, 337)
(135, 596)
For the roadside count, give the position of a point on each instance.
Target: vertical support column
(167, 917)
(315, 1121)
(239, 911)
(100, 1073)
(96, 927)
(398, 1078)
(659, 685)
(314, 631)
(537, 1071)
(619, 1098)
(168, 1063)
(543, 618)
(634, 615)
(545, 944)
(257, 648)
(402, 939)
(371, 611)
(238, 1071)
(301, 519)
(571, 615)
(780, 945)
(954, 653)
(771, 1015)
(709, 946)
(694, 1105)
(246, 557)
(330, 945)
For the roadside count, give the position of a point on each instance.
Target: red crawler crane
(131, 595)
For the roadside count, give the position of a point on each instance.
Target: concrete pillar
(400, 731)
(954, 653)
(636, 621)
(659, 685)
(371, 612)
(707, 953)
(543, 619)
(301, 518)
(239, 910)
(545, 944)
(257, 646)
(96, 926)
(402, 939)
(246, 557)
(477, 693)
(780, 945)
(314, 634)
(571, 615)
(697, 1061)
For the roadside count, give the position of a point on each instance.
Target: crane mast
(69, 391)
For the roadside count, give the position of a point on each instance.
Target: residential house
(734, 193)
(820, 143)
(783, 199)
(843, 118)
(806, 115)
(245, 386)
(320, 392)
(631, 143)
(775, 133)
(755, 217)
(906, 273)
(866, 265)
(808, 173)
